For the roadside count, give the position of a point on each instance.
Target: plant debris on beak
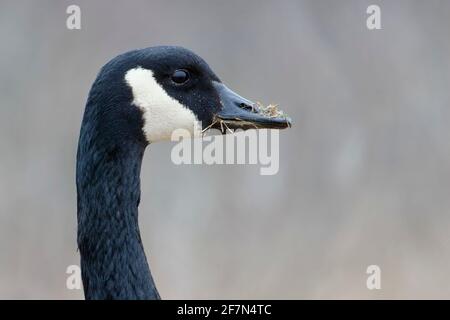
(271, 111)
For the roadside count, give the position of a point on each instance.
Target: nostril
(247, 107)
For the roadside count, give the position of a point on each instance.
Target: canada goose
(139, 98)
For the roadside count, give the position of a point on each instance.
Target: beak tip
(289, 122)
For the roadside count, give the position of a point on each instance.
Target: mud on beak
(240, 113)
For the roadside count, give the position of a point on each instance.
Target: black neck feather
(113, 262)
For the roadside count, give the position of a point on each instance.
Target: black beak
(240, 113)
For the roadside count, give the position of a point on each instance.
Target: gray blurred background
(364, 173)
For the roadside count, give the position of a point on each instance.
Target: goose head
(140, 97)
(151, 92)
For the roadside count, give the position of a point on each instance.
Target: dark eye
(180, 76)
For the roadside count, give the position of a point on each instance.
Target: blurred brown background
(364, 173)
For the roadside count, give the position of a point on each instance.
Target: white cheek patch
(162, 113)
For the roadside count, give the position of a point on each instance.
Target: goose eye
(180, 76)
